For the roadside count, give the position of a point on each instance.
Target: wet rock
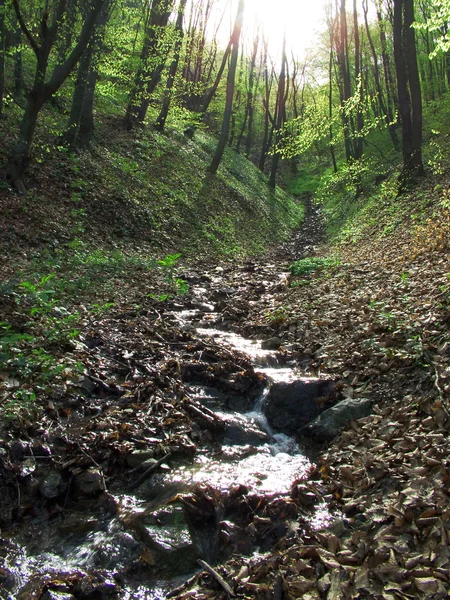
(78, 524)
(328, 425)
(136, 458)
(272, 343)
(57, 595)
(90, 482)
(291, 406)
(52, 486)
(243, 434)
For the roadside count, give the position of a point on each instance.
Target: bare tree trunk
(230, 89)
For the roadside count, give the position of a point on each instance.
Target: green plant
(309, 264)
(277, 315)
(168, 264)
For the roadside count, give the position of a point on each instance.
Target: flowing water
(149, 543)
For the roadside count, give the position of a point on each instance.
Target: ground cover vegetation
(138, 153)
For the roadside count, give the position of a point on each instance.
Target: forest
(224, 299)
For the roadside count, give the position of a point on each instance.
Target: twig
(217, 577)
(149, 471)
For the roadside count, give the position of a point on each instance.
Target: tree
(2, 51)
(235, 37)
(81, 120)
(161, 120)
(42, 88)
(152, 61)
(408, 86)
(280, 115)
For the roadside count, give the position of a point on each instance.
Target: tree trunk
(248, 115)
(236, 36)
(2, 52)
(342, 58)
(330, 108)
(267, 117)
(81, 120)
(19, 83)
(408, 86)
(161, 120)
(280, 115)
(213, 89)
(41, 90)
(391, 96)
(148, 76)
(381, 101)
(358, 143)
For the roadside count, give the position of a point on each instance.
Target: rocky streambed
(182, 441)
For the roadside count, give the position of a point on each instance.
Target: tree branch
(24, 28)
(61, 72)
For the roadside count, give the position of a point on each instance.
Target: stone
(137, 457)
(328, 425)
(292, 405)
(57, 595)
(90, 482)
(52, 486)
(272, 343)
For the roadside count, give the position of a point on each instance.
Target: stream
(233, 497)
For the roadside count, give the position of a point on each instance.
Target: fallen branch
(220, 580)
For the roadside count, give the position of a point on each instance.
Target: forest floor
(375, 317)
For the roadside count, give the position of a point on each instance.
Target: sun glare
(300, 20)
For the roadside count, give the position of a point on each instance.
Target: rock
(136, 458)
(78, 524)
(328, 425)
(291, 406)
(56, 595)
(85, 384)
(272, 343)
(90, 482)
(52, 486)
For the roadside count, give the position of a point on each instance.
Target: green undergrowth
(308, 265)
(114, 225)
